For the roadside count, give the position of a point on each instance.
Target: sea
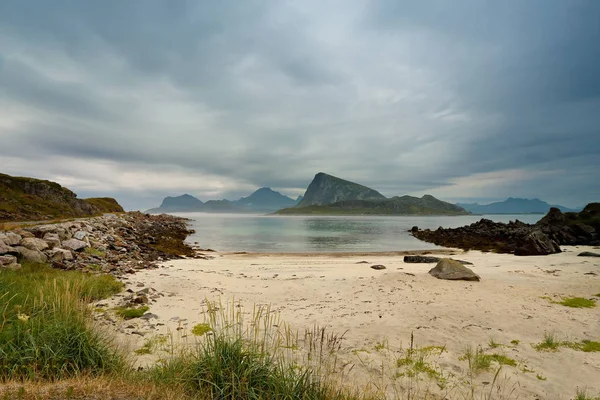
(307, 234)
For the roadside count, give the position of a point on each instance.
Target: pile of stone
(112, 243)
(542, 238)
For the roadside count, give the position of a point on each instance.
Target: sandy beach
(509, 311)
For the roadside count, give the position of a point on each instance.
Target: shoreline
(379, 310)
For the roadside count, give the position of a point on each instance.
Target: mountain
(299, 199)
(405, 205)
(29, 199)
(328, 189)
(513, 206)
(265, 199)
(185, 202)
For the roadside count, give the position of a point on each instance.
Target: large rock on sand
(421, 259)
(588, 254)
(453, 270)
(537, 244)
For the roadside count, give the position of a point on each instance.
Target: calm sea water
(261, 233)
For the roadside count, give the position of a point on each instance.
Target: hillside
(405, 205)
(29, 199)
(513, 206)
(328, 189)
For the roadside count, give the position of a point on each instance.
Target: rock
(11, 267)
(414, 229)
(25, 234)
(80, 235)
(588, 254)
(52, 239)
(378, 266)
(148, 316)
(7, 260)
(6, 249)
(143, 299)
(34, 244)
(31, 255)
(74, 245)
(453, 270)
(421, 259)
(57, 254)
(10, 238)
(537, 244)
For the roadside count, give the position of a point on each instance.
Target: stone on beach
(537, 244)
(31, 255)
(588, 254)
(450, 269)
(378, 266)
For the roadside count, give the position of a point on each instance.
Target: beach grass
(45, 324)
(577, 302)
(131, 312)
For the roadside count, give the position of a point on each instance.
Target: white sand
(387, 305)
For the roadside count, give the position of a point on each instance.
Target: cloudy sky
(465, 99)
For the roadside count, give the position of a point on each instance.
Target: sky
(467, 100)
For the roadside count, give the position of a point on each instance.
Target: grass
(131, 312)
(247, 360)
(493, 344)
(582, 395)
(45, 326)
(550, 343)
(541, 377)
(515, 342)
(95, 252)
(480, 361)
(577, 302)
(201, 329)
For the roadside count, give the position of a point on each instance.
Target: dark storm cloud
(149, 98)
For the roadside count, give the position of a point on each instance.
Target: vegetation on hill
(105, 204)
(29, 199)
(405, 205)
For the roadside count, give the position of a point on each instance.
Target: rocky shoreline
(112, 243)
(545, 237)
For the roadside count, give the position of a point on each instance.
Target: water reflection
(243, 232)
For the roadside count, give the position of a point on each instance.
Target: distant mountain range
(330, 195)
(263, 200)
(514, 206)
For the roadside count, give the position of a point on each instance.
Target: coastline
(380, 309)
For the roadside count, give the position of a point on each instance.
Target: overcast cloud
(466, 100)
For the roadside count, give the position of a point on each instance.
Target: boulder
(453, 270)
(74, 245)
(80, 235)
(25, 234)
(10, 238)
(31, 255)
(378, 266)
(57, 254)
(12, 267)
(588, 254)
(6, 249)
(7, 260)
(52, 239)
(34, 244)
(421, 259)
(537, 244)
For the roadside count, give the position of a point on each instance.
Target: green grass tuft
(577, 302)
(201, 329)
(131, 312)
(548, 344)
(95, 252)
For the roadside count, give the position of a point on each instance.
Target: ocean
(291, 234)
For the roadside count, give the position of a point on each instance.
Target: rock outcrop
(28, 199)
(453, 270)
(327, 189)
(545, 237)
(111, 243)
